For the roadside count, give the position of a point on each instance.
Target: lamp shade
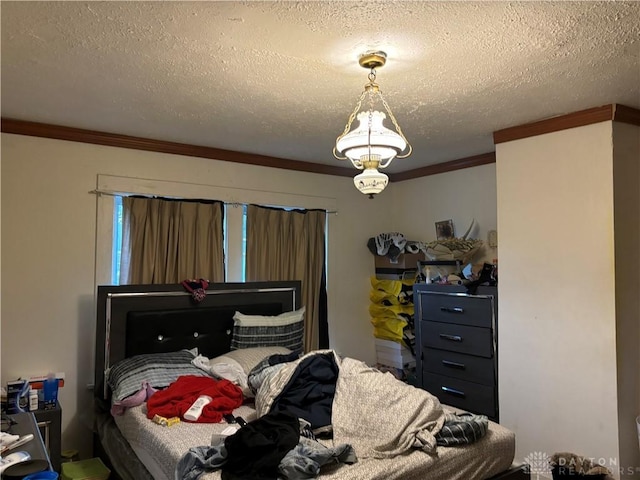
(371, 139)
(370, 181)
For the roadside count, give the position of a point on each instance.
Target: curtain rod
(117, 194)
(104, 192)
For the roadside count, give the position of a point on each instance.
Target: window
(109, 222)
(116, 249)
(232, 249)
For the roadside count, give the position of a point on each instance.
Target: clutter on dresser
(17, 396)
(454, 273)
(453, 249)
(34, 392)
(9, 441)
(456, 249)
(397, 257)
(400, 264)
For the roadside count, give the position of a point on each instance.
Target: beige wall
(461, 195)
(626, 179)
(49, 253)
(557, 359)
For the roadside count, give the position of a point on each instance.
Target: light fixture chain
(395, 124)
(353, 114)
(370, 126)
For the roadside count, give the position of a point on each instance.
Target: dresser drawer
(456, 308)
(459, 365)
(457, 338)
(469, 396)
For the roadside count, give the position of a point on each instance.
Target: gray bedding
(160, 448)
(390, 424)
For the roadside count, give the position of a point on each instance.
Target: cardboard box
(406, 261)
(37, 381)
(393, 354)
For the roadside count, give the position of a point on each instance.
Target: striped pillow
(158, 369)
(284, 330)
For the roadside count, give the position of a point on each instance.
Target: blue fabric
(306, 459)
(199, 460)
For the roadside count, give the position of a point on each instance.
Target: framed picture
(444, 230)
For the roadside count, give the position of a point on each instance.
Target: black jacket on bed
(310, 391)
(255, 451)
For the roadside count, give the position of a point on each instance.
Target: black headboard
(135, 319)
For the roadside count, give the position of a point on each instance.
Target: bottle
(33, 400)
(195, 410)
(50, 387)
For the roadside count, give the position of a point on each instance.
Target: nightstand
(50, 424)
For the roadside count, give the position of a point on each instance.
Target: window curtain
(290, 245)
(168, 241)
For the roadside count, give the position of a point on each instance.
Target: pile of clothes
(318, 395)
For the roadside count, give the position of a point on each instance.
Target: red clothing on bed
(176, 399)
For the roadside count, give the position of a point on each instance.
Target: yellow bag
(388, 328)
(377, 310)
(384, 298)
(381, 297)
(392, 287)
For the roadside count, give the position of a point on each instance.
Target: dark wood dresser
(457, 345)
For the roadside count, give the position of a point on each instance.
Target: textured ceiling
(280, 78)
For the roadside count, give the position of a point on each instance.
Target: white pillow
(236, 364)
(229, 369)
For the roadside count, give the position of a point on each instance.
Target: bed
(136, 320)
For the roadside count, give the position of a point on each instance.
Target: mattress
(160, 448)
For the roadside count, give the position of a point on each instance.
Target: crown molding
(450, 166)
(72, 134)
(554, 124)
(626, 114)
(611, 112)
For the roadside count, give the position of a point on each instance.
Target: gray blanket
(377, 414)
(462, 429)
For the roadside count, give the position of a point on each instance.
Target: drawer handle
(453, 391)
(452, 309)
(453, 338)
(448, 363)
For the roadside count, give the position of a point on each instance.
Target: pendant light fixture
(371, 146)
